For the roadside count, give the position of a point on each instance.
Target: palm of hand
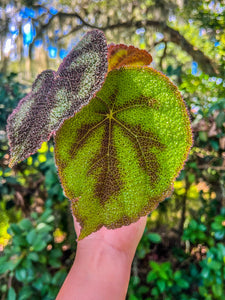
(124, 239)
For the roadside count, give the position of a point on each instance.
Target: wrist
(100, 259)
(102, 268)
(95, 251)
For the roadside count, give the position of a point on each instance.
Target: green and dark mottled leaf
(119, 156)
(56, 96)
(123, 55)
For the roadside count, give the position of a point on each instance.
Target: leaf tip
(12, 161)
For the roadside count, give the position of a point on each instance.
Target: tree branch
(163, 56)
(207, 65)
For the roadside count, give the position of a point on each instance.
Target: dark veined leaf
(123, 55)
(119, 156)
(56, 96)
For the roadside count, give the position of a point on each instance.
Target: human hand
(124, 239)
(101, 269)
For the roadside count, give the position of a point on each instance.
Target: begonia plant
(121, 129)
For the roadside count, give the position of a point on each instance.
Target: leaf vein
(136, 138)
(86, 134)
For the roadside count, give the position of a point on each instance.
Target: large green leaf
(119, 156)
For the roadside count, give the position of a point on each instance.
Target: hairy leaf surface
(123, 55)
(119, 156)
(56, 96)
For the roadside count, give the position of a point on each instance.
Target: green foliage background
(182, 252)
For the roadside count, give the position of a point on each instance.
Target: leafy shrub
(165, 281)
(147, 240)
(213, 273)
(197, 273)
(31, 264)
(218, 226)
(195, 232)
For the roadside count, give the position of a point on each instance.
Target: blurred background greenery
(182, 252)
